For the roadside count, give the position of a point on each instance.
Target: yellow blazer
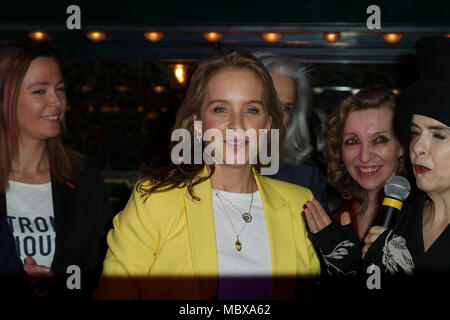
(172, 235)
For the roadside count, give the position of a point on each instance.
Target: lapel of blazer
(202, 235)
(61, 193)
(278, 220)
(62, 208)
(283, 253)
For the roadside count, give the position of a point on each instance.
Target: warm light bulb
(271, 36)
(38, 36)
(392, 37)
(96, 36)
(212, 36)
(331, 36)
(154, 36)
(179, 73)
(158, 89)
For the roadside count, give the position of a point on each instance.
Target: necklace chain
(246, 216)
(223, 206)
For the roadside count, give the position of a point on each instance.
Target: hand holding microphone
(396, 190)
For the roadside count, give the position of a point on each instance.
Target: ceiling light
(331, 36)
(96, 36)
(212, 36)
(271, 36)
(392, 37)
(154, 36)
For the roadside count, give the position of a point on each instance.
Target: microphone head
(397, 187)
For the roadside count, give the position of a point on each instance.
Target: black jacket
(13, 279)
(82, 217)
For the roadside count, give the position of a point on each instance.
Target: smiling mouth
(54, 117)
(368, 171)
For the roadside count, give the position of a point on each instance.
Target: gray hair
(297, 146)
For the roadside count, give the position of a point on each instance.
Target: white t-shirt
(31, 220)
(254, 259)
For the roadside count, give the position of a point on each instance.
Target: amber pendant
(238, 245)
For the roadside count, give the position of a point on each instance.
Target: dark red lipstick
(421, 169)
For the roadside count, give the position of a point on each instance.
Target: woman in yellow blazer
(217, 229)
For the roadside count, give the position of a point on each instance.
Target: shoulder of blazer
(276, 193)
(85, 189)
(287, 190)
(89, 179)
(172, 199)
(88, 175)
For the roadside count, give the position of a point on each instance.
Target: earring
(199, 136)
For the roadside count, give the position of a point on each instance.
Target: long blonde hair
(182, 175)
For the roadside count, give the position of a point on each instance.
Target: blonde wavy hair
(185, 175)
(337, 173)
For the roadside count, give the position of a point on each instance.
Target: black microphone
(396, 190)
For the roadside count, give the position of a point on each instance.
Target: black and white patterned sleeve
(339, 249)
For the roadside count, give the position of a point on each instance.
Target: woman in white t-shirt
(211, 226)
(52, 200)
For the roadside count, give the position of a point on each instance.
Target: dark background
(119, 120)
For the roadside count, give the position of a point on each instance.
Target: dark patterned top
(401, 250)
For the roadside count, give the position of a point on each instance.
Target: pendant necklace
(246, 216)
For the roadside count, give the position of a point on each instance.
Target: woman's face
(234, 100)
(370, 149)
(41, 103)
(430, 154)
(285, 88)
